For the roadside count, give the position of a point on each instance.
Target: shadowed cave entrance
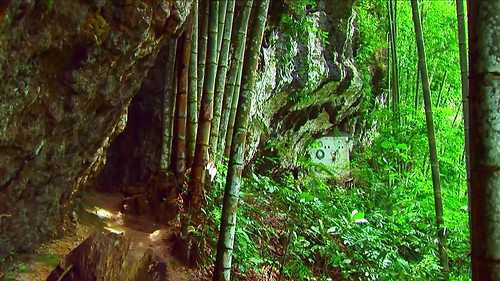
(132, 170)
(133, 158)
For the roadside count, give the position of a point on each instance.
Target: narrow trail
(99, 212)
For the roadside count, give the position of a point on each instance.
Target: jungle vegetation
(405, 215)
(421, 200)
(314, 227)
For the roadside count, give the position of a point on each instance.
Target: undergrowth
(314, 229)
(383, 226)
(380, 228)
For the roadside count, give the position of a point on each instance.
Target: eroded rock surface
(309, 84)
(68, 70)
(106, 256)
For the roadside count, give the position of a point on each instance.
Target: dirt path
(99, 212)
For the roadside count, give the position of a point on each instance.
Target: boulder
(105, 257)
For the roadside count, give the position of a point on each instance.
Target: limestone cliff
(68, 70)
(74, 74)
(308, 85)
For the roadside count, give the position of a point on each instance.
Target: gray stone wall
(309, 86)
(68, 70)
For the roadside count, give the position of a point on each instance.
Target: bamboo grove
(400, 90)
(206, 105)
(436, 181)
(209, 90)
(477, 108)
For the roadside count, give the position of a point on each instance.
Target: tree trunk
(206, 114)
(192, 110)
(417, 90)
(202, 50)
(389, 64)
(232, 113)
(465, 81)
(441, 90)
(233, 79)
(438, 201)
(221, 81)
(484, 106)
(222, 270)
(395, 70)
(169, 97)
(182, 93)
(222, 23)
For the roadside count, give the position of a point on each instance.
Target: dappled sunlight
(103, 213)
(156, 235)
(116, 222)
(107, 215)
(114, 229)
(142, 231)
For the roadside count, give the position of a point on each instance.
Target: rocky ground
(99, 211)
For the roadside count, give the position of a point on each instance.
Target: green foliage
(383, 227)
(396, 168)
(301, 28)
(296, 22)
(439, 26)
(50, 260)
(372, 20)
(311, 228)
(246, 254)
(48, 5)
(371, 42)
(11, 266)
(396, 163)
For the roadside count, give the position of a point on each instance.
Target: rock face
(68, 70)
(309, 84)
